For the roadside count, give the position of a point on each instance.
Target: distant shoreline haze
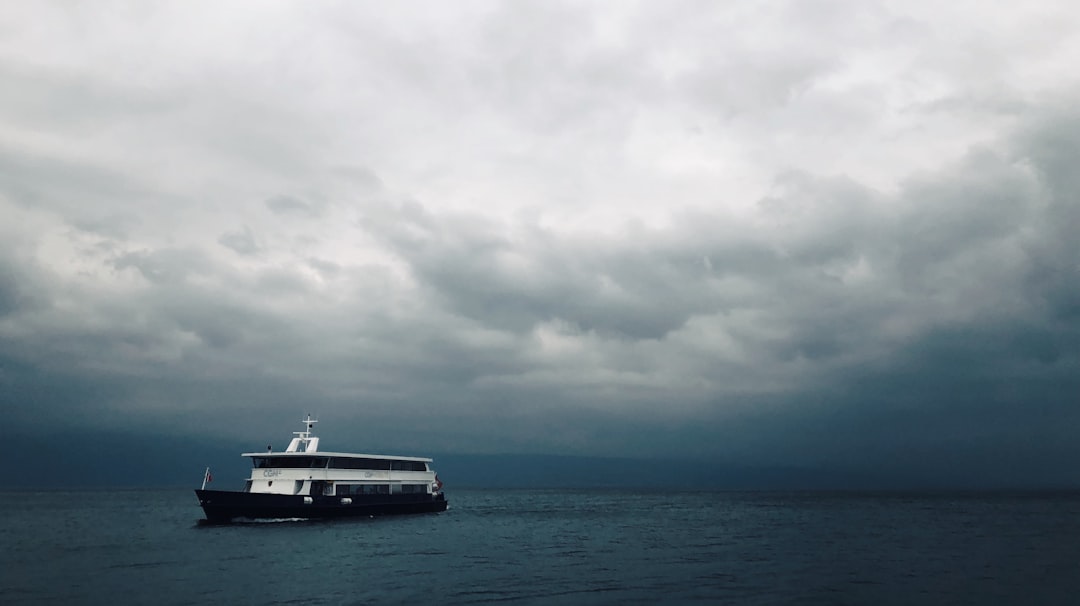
(96, 461)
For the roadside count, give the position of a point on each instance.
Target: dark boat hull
(223, 506)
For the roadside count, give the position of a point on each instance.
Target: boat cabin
(303, 470)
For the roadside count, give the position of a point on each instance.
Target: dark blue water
(574, 547)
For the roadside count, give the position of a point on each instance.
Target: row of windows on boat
(344, 490)
(361, 489)
(338, 463)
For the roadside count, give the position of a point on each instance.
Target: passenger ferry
(304, 482)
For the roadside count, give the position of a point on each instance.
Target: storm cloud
(830, 234)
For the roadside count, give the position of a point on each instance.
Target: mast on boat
(304, 441)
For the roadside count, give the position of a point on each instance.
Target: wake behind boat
(303, 482)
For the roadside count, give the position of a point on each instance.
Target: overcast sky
(808, 232)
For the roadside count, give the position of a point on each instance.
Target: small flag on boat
(209, 477)
(438, 483)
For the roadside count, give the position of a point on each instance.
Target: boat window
(371, 489)
(359, 463)
(409, 466)
(363, 489)
(290, 462)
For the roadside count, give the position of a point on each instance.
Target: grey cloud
(282, 282)
(52, 98)
(45, 181)
(1053, 252)
(325, 268)
(10, 295)
(843, 275)
(959, 395)
(803, 267)
(926, 322)
(217, 325)
(483, 274)
(116, 227)
(284, 204)
(361, 176)
(241, 242)
(982, 201)
(843, 294)
(1001, 101)
(752, 81)
(167, 265)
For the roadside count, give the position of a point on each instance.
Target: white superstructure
(302, 469)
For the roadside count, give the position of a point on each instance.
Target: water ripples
(539, 547)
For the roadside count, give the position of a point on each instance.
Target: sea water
(551, 546)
